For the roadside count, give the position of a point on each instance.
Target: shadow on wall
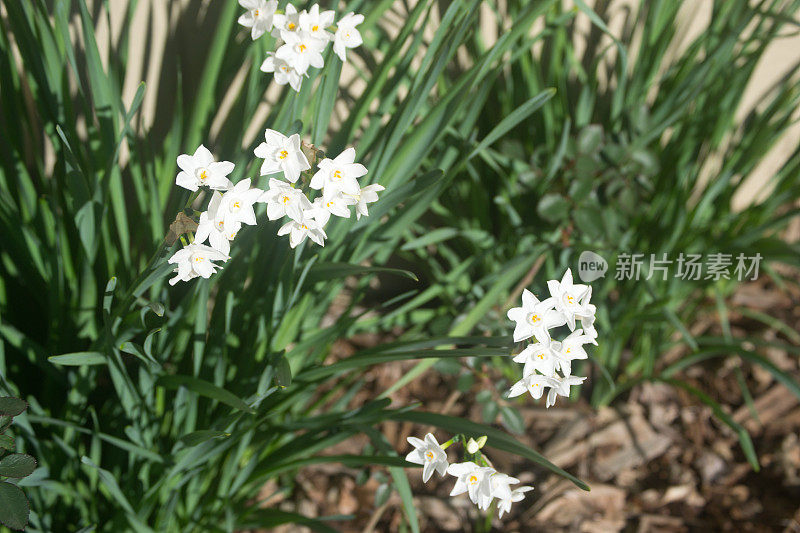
(164, 43)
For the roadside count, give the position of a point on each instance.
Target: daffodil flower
(571, 348)
(339, 175)
(368, 195)
(200, 169)
(301, 50)
(429, 454)
(499, 487)
(472, 479)
(568, 297)
(195, 260)
(259, 16)
(298, 231)
(347, 36)
(534, 317)
(533, 383)
(282, 154)
(315, 23)
(284, 200)
(517, 495)
(236, 205)
(586, 316)
(285, 23)
(214, 229)
(560, 387)
(541, 356)
(282, 71)
(337, 204)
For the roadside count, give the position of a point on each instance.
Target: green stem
(129, 295)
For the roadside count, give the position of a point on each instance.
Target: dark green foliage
(14, 508)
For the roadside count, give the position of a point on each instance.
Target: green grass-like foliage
(648, 162)
(167, 409)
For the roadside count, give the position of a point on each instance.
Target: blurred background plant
(506, 147)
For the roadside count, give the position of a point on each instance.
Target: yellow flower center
(221, 224)
(473, 479)
(291, 26)
(237, 205)
(255, 13)
(569, 299)
(203, 175)
(569, 350)
(429, 455)
(534, 318)
(285, 199)
(302, 48)
(283, 153)
(304, 226)
(198, 259)
(232, 236)
(541, 356)
(284, 68)
(337, 175)
(329, 204)
(315, 28)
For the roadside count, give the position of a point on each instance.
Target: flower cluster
(302, 37)
(232, 205)
(479, 480)
(336, 179)
(547, 362)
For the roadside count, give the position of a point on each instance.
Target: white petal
(202, 156)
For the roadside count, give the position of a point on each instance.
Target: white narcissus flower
(259, 16)
(368, 195)
(285, 23)
(315, 23)
(568, 297)
(195, 260)
(282, 154)
(337, 204)
(429, 454)
(571, 349)
(499, 487)
(560, 387)
(586, 317)
(236, 205)
(517, 495)
(214, 229)
(339, 175)
(284, 200)
(472, 479)
(200, 169)
(283, 72)
(347, 36)
(534, 317)
(541, 356)
(534, 383)
(298, 231)
(301, 50)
